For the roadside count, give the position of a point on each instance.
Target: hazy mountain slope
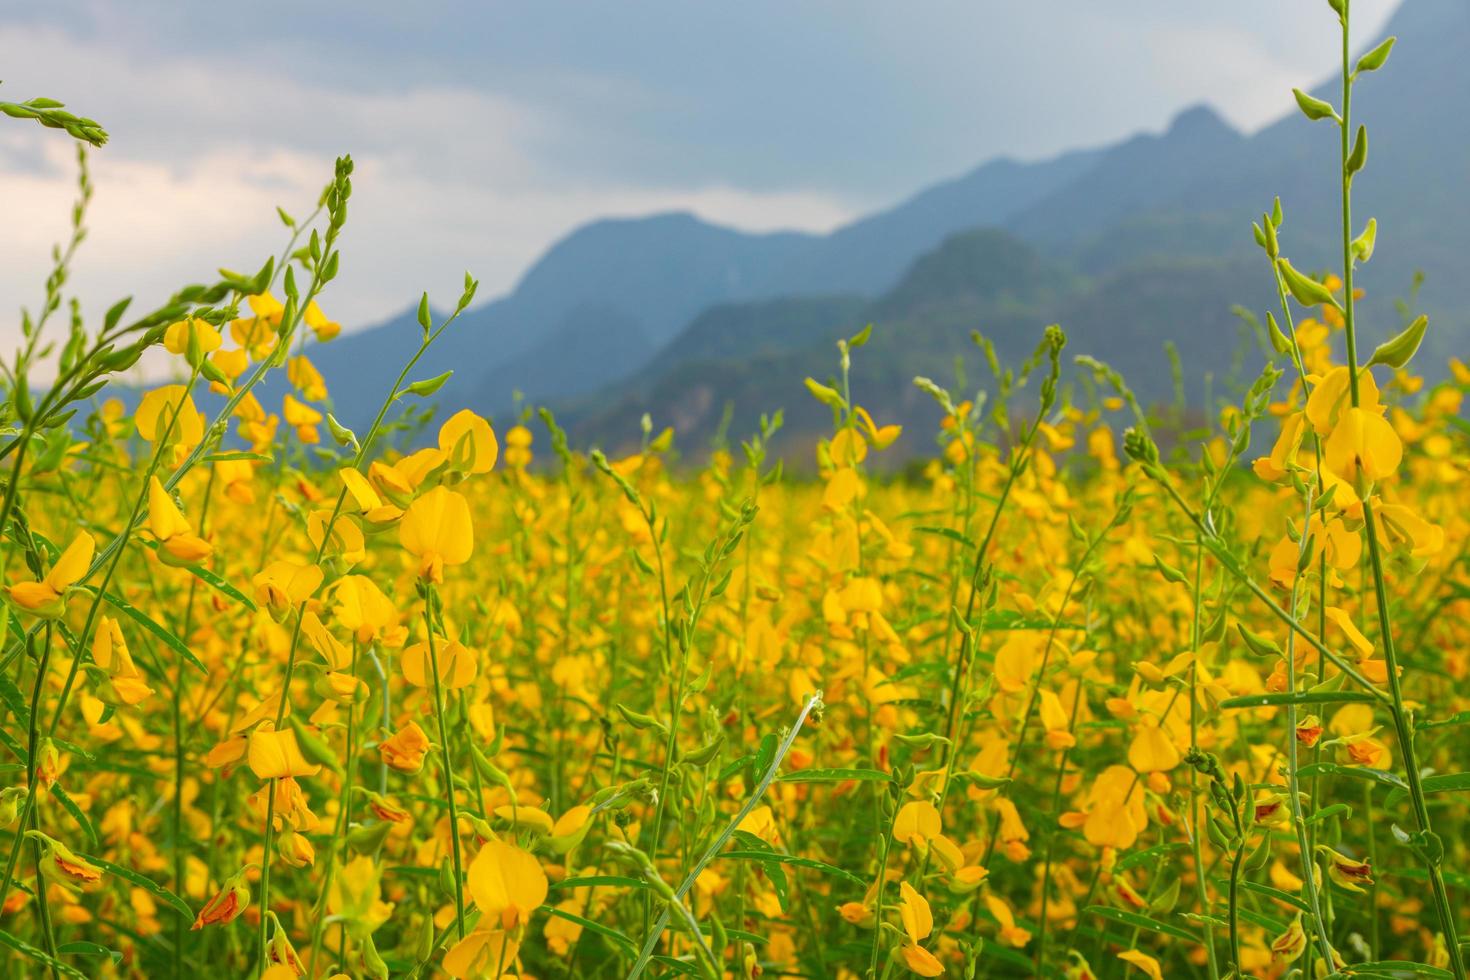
(647, 276)
(1133, 174)
(863, 258)
(869, 255)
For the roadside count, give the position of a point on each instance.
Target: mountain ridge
(617, 297)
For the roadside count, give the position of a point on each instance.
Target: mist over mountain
(1127, 246)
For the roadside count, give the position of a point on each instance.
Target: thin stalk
(1403, 729)
(429, 596)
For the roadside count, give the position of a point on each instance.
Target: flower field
(1090, 691)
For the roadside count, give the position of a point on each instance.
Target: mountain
(647, 278)
(1126, 177)
(627, 285)
(1126, 245)
(871, 254)
(989, 281)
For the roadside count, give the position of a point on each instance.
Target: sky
(484, 131)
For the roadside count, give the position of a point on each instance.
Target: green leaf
(680, 967)
(15, 701)
(230, 456)
(1136, 921)
(592, 926)
(1353, 772)
(1276, 894)
(40, 956)
(1448, 782)
(142, 619)
(945, 532)
(1397, 967)
(835, 776)
(80, 948)
(1458, 718)
(221, 586)
(1150, 853)
(147, 884)
(777, 857)
(70, 806)
(1327, 812)
(594, 881)
(1296, 697)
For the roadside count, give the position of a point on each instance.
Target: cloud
(206, 151)
(482, 133)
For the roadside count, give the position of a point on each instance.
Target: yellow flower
(110, 652)
(1362, 445)
(913, 911)
(918, 922)
(1056, 721)
(1286, 947)
(231, 364)
(177, 337)
(458, 664)
(468, 443)
(355, 894)
(307, 380)
(303, 418)
(1143, 961)
(232, 899)
(1010, 933)
(506, 883)
(1152, 750)
(275, 754)
(1345, 871)
(364, 499)
(916, 823)
(405, 749)
(485, 954)
(285, 584)
(437, 530)
(1283, 455)
(178, 544)
(518, 447)
(919, 960)
(362, 607)
(167, 418)
(257, 334)
(1331, 397)
(1399, 526)
(45, 598)
(324, 328)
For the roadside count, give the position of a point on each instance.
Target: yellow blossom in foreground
(45, 597)
(273, 754)
(437, 530)
(468, 443)
(507, 884)
(178, 544)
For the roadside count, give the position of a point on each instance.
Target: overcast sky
(484, 131)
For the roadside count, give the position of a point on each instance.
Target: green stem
(1403, 728)
(429, 594)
